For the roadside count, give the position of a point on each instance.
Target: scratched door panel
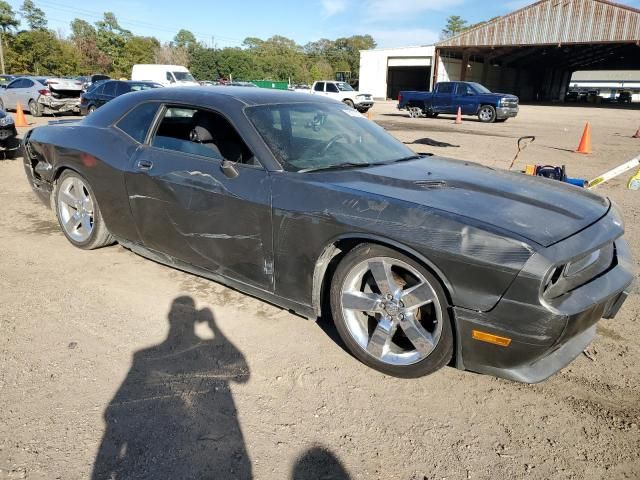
(186, 207)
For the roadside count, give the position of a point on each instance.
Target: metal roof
(550, 22)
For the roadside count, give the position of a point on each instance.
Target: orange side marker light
(490, 338)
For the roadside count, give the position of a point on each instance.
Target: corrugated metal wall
(553, 22)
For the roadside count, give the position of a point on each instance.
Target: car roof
(248, 96)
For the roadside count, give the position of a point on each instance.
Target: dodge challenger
(420, 261)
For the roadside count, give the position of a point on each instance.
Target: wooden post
(463, 66)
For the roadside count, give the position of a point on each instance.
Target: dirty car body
(527, 263)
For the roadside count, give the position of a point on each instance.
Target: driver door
(189, 206)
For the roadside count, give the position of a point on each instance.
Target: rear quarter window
(137, 122)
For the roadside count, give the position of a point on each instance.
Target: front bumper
(546, 335)
(506, 112)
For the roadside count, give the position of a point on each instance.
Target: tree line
(106, 47)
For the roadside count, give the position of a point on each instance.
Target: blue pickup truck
(471, 97)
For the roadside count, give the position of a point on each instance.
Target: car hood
(541, 210)
(497, 96)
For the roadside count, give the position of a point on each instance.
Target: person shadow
(319, 463)
(174, 416)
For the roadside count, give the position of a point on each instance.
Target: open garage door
(407, 78)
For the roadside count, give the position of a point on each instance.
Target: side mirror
(229, 169)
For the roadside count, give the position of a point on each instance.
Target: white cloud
(380, 10)
(403, 37)
(333, 7)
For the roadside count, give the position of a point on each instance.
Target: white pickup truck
(343, 92)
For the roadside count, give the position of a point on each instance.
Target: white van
(167, 75)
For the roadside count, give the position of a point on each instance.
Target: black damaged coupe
(420, 261)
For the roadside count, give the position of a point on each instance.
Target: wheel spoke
(88, 204)
(363, 302)
(73, 223)
(383, 277)
(381, 338)
(86, 223)
(416, 297)
(68, 199)
(421, 339)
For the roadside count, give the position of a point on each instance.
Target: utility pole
(2, 51)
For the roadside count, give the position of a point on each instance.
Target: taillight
(44, 91)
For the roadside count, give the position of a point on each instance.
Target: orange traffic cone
(637, 134)
(369, 115)
(458, 117)
(20, 121)
(585, 141)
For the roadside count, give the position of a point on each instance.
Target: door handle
(144, 164)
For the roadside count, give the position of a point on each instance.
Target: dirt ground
(104, 353)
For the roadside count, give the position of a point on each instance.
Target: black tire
(100, 236)
(487, 114)
(501, 120)
(12, 146)
(363, 110)
(34, 109)
(348, 102)
(443, 351)
(432, 114)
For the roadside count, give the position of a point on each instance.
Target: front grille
(509, 103)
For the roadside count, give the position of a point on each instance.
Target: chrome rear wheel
(75, 209)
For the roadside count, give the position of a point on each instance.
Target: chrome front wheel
(392, 312)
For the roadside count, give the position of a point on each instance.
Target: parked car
(5, 80)
(9, 143)
(239, 83)
(575, 96)
(343, 92)
(89, 80)
(420, 261)
(472, 99)
(104, 91)
(625, 97)
(42, 95)
(165, 75)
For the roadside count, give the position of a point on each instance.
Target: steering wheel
(333, 140)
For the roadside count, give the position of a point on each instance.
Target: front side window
(312, 136)
(122, 88)
(136, 123)
(445, 88)
(203, 133)
(331, 88)
(479, 88)
(15, 84)
(170, 77)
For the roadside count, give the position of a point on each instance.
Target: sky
(392, 23)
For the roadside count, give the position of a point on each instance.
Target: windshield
(184, 77)
(309, 136)
(479, 88)
(344, 87)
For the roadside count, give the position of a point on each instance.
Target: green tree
(455, 25)
(84, 37)
(39, 52)
(8, 22)
(136, 50)
(34, 16)
(204, 64)
(184, 39)
(111, 39)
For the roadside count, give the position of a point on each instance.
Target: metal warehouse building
(531, 52)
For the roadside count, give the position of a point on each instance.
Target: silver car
(42, 95)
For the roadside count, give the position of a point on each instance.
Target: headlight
(7, 120)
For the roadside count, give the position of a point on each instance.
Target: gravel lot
(105, 350)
